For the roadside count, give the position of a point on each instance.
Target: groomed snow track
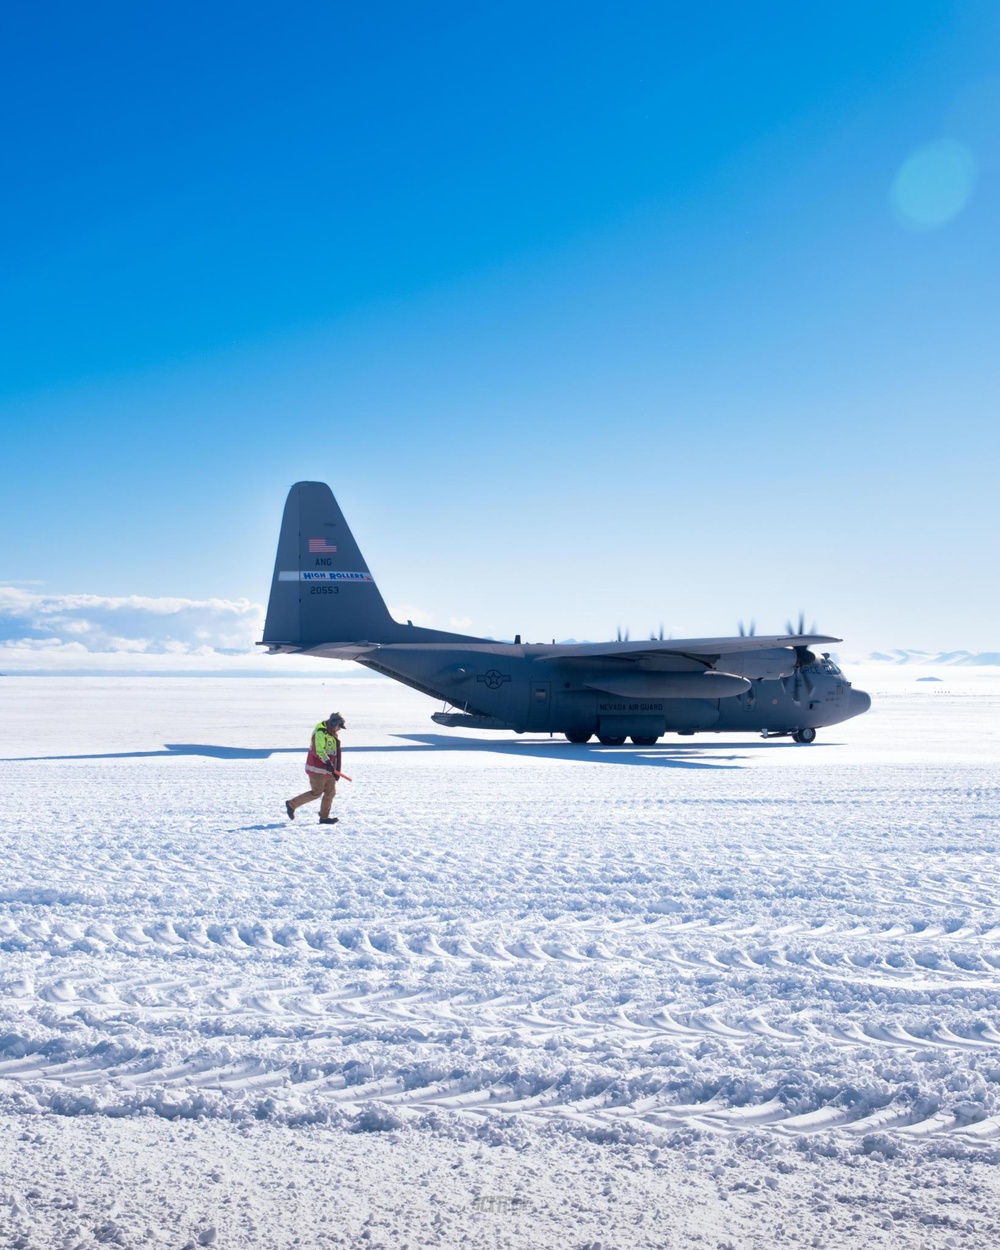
(504, 941)
(603, 1027)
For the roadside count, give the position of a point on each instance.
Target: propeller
(623, 637)
(654, 638)
(748, 633)
(803, 658)
(790, 628)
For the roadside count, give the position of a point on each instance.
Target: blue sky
(590, 315)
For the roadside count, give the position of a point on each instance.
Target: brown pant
(323, 787)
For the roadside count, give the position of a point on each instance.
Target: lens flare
(934, 184)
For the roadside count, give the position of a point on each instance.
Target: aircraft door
(539, 705)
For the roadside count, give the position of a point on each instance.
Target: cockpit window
(824, 666)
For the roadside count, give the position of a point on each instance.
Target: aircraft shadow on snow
(168, 749)
(662, 757)
(674, 755)
(665, 755)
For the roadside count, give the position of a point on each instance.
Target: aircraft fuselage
(519, 688)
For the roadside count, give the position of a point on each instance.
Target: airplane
(325, 602)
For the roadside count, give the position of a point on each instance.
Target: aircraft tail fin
(322, 591)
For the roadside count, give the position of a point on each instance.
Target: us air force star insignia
(493, 678)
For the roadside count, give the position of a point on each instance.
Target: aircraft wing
(689, 647)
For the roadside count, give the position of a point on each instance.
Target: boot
(328, 820)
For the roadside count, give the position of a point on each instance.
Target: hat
(337, 720)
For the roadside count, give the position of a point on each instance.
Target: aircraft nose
(859, 702)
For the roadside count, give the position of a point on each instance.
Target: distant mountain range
(955, 658)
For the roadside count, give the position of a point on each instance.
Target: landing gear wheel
(608, 741)
(804, 735)
(579, 737)
(643, 742)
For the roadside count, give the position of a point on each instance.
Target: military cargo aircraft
(325, 602)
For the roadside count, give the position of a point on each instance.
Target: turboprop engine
(767, 665)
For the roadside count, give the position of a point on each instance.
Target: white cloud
(130, 622)
(41, 633)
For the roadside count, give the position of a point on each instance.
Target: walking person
(322, 769)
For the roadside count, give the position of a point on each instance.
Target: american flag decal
(320, 547)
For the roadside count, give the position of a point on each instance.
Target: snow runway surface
(717, 989)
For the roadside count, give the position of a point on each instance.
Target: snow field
(733, 969)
